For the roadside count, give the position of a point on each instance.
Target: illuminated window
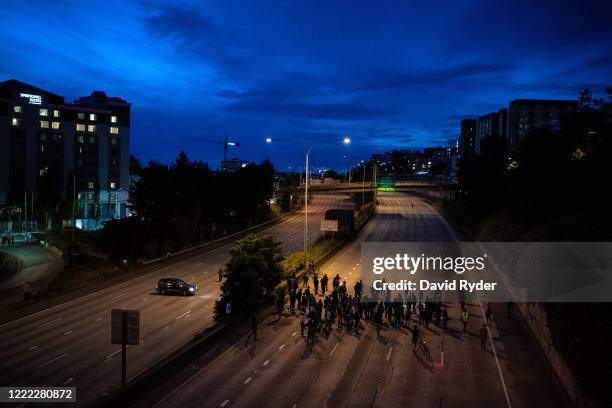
(17, 109)
(44, 124)
(43, 172)
(55, 125)
(91, 128)
(79, 196)
(90, 195)
(42, 148)
(56, 113)
(113, 119)
(93, 116)
(43, 112)
(90, 185)
(81, 115)
(80, 127)
(113, 185)
(16, 122)
(81, 139)
(92, 140)
(114, 130)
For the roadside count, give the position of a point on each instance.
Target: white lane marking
(113, 354)
(265, 363)
(144, 300)
(119, 295)
(294, 406)
(106, 360)
(389, 353)
(293, 334)
(32, 348)
(501, 376)
(68, 381)
(183, 315)
(98, 319)
(68, 332)
(282, 346)
(331, 353)
(167, 327)
(248, 380)
(52, 360)
(51, 322)
(224, 403)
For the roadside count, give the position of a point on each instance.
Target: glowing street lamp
(307, 149)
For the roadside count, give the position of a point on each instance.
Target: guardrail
(221, 240)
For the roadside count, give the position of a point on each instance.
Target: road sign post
(125, 330)
(329, 226)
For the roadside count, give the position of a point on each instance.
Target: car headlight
(191, 289)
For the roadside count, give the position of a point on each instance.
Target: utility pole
(363, 187)
(25, 216)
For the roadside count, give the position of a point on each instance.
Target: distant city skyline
(388, 75)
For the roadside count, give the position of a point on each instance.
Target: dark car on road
(173, 286)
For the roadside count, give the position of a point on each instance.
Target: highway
(368, 370)
(70, 344)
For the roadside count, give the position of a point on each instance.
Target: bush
(252, 275)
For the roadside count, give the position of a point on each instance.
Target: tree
(252, 274)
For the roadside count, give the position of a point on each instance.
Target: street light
(307, 148)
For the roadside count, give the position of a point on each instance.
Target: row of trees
(554, 188)
(554, 174)
(186, 202)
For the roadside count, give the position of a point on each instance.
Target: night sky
(390, 75)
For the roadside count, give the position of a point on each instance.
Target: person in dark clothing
(315, 281)
(509, 306)
(253, 333)
(488, 314)
(292, 302)
(416, 334)
(336, 281)
(483, 337)
(324, 280)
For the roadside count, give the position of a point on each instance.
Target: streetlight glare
(347, 140)
(268, 140)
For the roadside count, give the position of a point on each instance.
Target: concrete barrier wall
(535, 317)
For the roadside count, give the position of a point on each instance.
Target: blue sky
(388, 74)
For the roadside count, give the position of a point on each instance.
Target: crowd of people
(321, 308)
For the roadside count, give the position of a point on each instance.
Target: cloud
(396, 79)
(180, 24)
(308, 110)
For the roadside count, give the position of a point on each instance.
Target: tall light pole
(307, 149)
(363, 186)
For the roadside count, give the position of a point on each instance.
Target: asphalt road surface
(34, 262)
(368, 370)
(70, 344)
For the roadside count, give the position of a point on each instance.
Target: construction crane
(225, 142)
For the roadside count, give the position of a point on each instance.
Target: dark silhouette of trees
(186, 202)
(553, 173)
